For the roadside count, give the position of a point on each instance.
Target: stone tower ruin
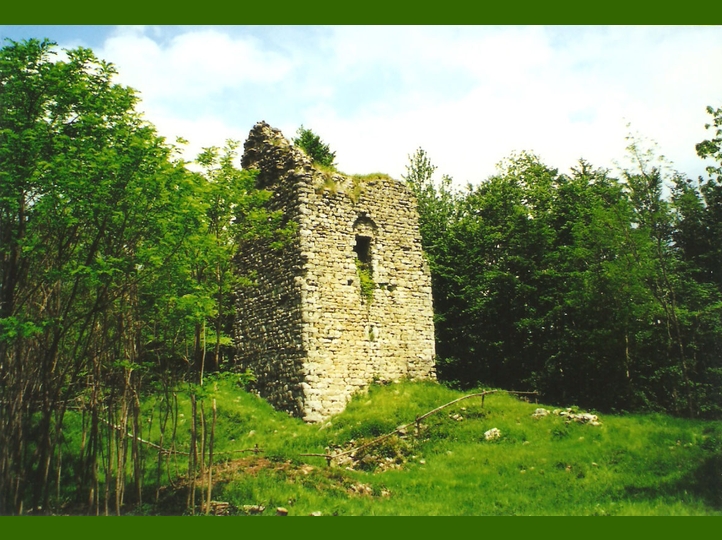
(347, 301)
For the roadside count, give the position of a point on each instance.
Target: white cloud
(467, 95)
(193, 66)
(564, 101)
(201, 132)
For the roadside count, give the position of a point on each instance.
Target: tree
(116, 276)
(712, 148)
(697, 238)
(436, 203)
(709, 258)
(235, 212)
(438, 207)
(315, 148)
(93, 213)
(573, 285)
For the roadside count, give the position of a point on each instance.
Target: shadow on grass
(705, 481)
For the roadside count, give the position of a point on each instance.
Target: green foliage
(234, 213)
(419, 171)
(366, 281)
(592, 289)
(92, 209)
(712, 148)
(315, 148)
(115, 265)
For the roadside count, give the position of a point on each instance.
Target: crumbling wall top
(267, 150)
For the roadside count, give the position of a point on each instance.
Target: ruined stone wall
(268, 329)
(352, 339)
(309, 330)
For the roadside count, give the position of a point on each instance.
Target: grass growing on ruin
(358, 181)
(328, 182)
(354, 190)
(366, 281)
(629, 465)
(371, 176)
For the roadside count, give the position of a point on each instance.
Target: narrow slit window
(363, 250)
(364, 269)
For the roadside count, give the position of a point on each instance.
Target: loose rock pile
(570, 416)
(392, 453)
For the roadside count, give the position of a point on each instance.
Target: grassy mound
(539, 464)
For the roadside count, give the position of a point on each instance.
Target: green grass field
(628, 465)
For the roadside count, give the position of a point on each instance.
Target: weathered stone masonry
(308, 330)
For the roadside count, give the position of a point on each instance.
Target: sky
(470, 96)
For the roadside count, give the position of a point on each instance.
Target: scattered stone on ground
(219, 508)
(492, 434)
(306, 469)
(361, 489)
(582, 418)
(390, 453)
(253, 509)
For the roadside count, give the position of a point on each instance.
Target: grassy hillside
(631, 465)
